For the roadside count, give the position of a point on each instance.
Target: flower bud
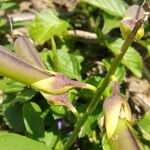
(124, 138)
(132, 15)
(26, 50)
(113, 107)
(32, 74)
(60, 100)
(60, 84)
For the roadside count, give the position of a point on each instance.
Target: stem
(55, 57)
(102, 87)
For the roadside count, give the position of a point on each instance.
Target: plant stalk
(101, 87)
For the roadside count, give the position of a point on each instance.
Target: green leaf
(58, 111)
(10, 86)
(2, 22)
(132, 59)
(46, 25)
(33, 121)
(86, 94)
(12, 114)
(88, 125)
(11, 141)
(7, 4)
(146, 44)
(120, 72)
(44, 55)
(52, 140)
(91, 121)
(145, 122)
(113, 7)
(24, 96)
(69, 64)
(110, 23)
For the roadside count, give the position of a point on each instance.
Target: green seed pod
(132, 15)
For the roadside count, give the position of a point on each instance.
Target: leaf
(86, 94)
(46, 25)
(10, 86)
(12, 108)
(52, 140)
(88, 125)
(115, 8)
(110, 23)
(58, 111)
(144, 122)
(12, 114)
(24, 96)
(44, 55)
(11, 141)
(120, 72)
(69, 64)
(33, 121)
(2, 22)
(146, 44)
(91, 121)
(7, 5)
(132, 59)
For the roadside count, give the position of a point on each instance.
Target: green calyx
(59, 84)
(127, 26)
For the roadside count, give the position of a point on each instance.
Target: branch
(82, 34)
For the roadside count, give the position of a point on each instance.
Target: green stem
(55, 56)
(101, 88)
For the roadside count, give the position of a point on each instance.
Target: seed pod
(132, 15)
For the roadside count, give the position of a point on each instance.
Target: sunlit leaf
(88, 126)
(46, 25)
(10, 86)
(32, 120)
(132, 59)
(52, 140)
(11, 141)
(69, 64)
(110, 22)
(113, 7)
(144, 122)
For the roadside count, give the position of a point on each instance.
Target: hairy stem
(101, 87)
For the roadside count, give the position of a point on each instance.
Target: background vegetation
(86, 37)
